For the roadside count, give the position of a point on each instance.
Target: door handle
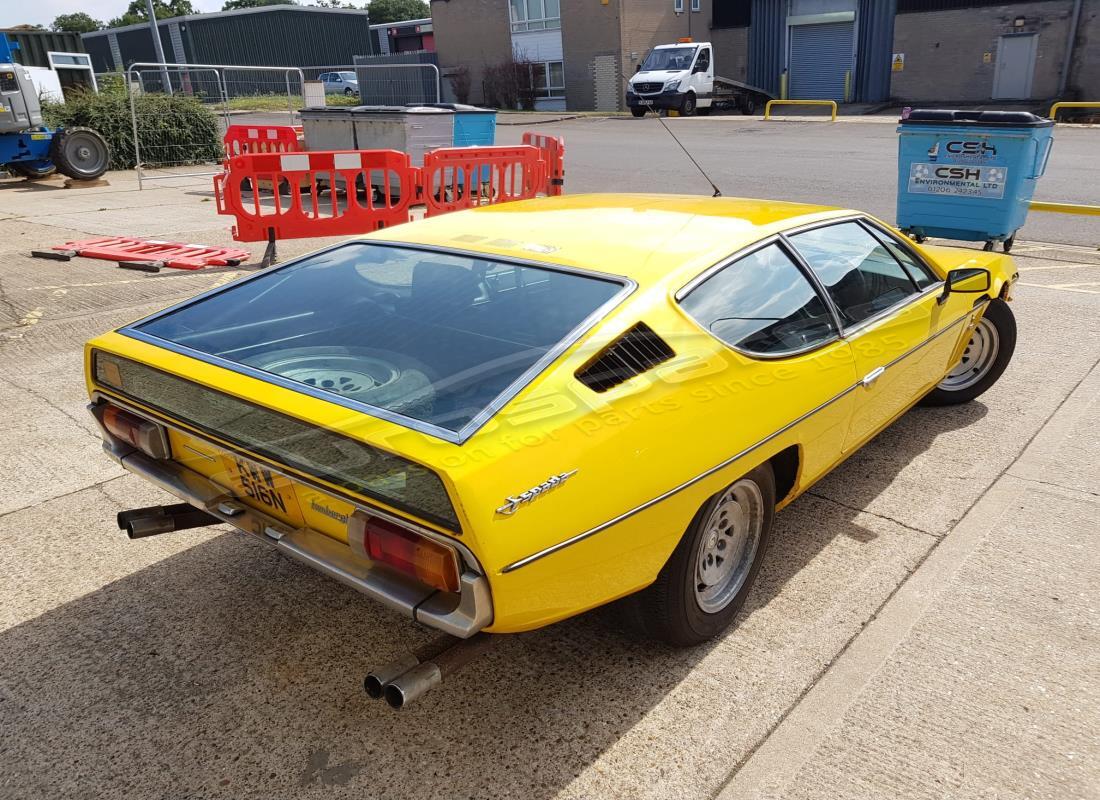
(872, 376)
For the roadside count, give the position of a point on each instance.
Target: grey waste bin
(328, 129)
(411, 130)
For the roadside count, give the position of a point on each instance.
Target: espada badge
(512, 504)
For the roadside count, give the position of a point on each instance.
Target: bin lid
(397, 110)
(323, 111)
(996, 119)
(458, 108)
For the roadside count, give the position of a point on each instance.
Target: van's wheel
(638, 111)
(687, 105)
(983, 361)
(747, 105)
(80, 153)
(32, 170)
(705, 582)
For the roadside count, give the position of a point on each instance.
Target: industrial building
(866, 51)
(283, 35)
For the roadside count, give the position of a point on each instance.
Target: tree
(333, 4)
(233, 5)
(163, 9)
(77, 22)
(397, 10)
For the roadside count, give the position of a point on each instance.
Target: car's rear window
(435, 337)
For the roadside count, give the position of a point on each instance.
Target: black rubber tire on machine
(27, 171)
(638, 111)
(80, 153)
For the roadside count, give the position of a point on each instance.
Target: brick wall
(590, 31)
(473, 33)
(944, 50)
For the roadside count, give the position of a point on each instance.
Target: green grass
(279, 102)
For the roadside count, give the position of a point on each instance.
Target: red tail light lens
(146, 436)
(406, 551)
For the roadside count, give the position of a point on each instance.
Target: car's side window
(857, 270)
(762, 304)
(917, 269)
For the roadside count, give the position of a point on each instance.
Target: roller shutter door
(820, 56)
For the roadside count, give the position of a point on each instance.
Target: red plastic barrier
(552, 149)
(171, 254)
(321, 193)
(455, 178)
(241, 139)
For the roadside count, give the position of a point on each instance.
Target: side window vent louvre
(636, 351)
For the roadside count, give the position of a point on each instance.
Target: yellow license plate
(262, 489)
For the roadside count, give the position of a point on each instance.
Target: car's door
(887, 304)
(796, 371)
(702, 77)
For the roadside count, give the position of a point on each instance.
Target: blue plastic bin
(969, 174)
(473, 127)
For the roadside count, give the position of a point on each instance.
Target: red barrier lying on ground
(240, 139)
(552, 150)
(170, 254)
(455, 178)
(326, 193)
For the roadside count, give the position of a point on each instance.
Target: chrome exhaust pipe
(376, 680)
(141, 522)
(418, 680)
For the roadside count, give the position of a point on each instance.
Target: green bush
(173, 129)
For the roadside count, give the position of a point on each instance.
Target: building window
(732, 13)
(678, 6)
(695, 5)
(535, 15)
(548, 78)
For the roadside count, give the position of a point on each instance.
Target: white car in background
(340, 83)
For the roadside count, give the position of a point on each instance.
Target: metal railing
(1054, 109)
(158, 141)
(770, 103)
(1065, 208)
(386, 90)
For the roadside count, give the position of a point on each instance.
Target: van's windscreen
(433, 336)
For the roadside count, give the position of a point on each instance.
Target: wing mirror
(967, 280)
(637, 68)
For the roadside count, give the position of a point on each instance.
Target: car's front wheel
(705, 582)
(983, 361)
(349, 92)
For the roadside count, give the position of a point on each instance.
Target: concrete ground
(925, 624)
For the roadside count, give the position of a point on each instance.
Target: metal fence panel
(161, 152)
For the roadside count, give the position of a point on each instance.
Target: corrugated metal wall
(766, 42)
(874, 50)
(283, 38)
(33, 45)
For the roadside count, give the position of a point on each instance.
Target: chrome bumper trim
(460, 615)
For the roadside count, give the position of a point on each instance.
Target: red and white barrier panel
(552, 150)
(456, 178)
(171, 254)
(325, 193)
(241, 139)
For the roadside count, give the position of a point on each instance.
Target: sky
(43, 12)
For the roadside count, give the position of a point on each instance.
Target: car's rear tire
(708, 577)
(638, 111)
(987, 354)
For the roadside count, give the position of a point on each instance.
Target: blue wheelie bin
(969, 174)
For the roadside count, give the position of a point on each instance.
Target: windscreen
(672, 59)
(432, 336)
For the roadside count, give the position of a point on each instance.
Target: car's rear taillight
(145, 435)
(408, 552)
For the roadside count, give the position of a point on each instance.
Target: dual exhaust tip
(408, 678)
(400, 682)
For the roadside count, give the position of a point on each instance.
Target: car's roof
(650, 238)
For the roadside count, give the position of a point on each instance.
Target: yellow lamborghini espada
(496, 419)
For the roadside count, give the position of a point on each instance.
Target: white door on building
(1015, 66)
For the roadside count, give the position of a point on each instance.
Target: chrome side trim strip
(751, 448)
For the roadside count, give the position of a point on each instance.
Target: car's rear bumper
(462, 614)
